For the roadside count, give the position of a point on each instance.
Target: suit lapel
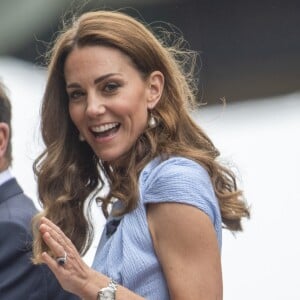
(9, 189)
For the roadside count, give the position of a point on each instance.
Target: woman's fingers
(61, 246)
(67, 265)
(55, 231)
(58, 242)
(56, 247)
(52, 264)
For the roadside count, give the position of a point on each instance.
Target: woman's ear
(156, 85)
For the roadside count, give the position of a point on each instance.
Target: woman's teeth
(105, 127)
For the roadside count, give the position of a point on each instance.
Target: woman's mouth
(105, 130)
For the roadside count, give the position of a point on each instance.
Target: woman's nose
(95, 106)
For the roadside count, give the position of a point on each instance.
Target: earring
(152, 123)
(81, 137)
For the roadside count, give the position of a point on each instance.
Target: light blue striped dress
(128, 255)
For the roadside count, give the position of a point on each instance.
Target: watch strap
(109, 292)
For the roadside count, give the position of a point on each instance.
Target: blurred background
(249, 55)
(249, 49)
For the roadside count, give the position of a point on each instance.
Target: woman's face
(108, 98)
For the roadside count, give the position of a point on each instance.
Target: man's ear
(156, 85)
(4, 137)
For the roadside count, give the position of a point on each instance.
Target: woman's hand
(74, 275)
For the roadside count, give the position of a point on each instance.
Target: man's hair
(5, 117)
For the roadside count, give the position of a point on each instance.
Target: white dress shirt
(5, 176)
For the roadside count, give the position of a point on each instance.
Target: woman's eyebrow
(97, 80)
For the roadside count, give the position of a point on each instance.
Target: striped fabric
(128, 255)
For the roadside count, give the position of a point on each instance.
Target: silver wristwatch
(109, 292)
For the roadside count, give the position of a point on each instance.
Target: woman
(115, 110)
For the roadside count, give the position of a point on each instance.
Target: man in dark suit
(19, 278)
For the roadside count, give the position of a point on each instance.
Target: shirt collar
(5, 176)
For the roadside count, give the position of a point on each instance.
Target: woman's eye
(111, 87)
(75, 95)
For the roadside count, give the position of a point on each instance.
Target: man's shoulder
(15, 206)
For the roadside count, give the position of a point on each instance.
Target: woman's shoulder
(180, 180)
(174, 178)
(172, 167)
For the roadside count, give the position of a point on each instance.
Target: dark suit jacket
(19, 278)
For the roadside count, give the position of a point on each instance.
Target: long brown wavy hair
(68, 171)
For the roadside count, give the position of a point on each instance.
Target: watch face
(107, 294)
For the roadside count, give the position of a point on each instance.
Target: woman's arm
(186, 245)
(75, 275)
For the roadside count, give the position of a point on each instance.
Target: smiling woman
(116, 110)
(109, 99)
